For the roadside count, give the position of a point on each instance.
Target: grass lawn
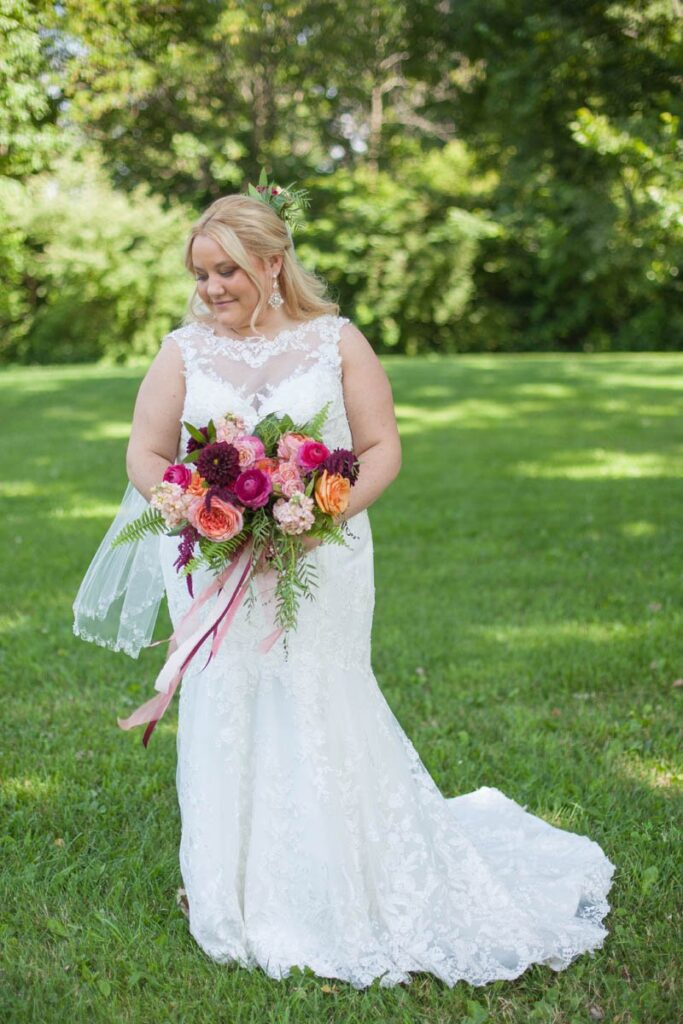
(527, 636)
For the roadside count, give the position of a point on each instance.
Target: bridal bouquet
(244, 500)
(270, 487)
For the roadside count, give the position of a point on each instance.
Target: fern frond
(269, 431)
(196, 562)
(151, 521)
(315, 425)
(261, 527)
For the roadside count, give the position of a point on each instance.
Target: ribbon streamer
(189, 636)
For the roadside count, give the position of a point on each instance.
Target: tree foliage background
(488, 177)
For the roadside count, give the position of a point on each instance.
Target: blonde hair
(246, 227)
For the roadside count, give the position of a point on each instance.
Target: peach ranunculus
(249, 448)
(221, 523)
(289, 444)
(332, 492)
(268, 466)
(196, 485)
(287, 478)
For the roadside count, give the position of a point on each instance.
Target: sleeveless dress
(311, 832)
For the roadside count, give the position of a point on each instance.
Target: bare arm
(155, 432)
(370, 410)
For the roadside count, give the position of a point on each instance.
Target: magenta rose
(311, 454)
(178, 474)
(252, 488)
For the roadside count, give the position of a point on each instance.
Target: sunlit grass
(528, 635)
(599, 463)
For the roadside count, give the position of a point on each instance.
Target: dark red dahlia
(219, 463)
(342, 462)
(192, 444)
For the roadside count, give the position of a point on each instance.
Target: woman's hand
(309, 543)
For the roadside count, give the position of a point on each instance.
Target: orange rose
(221, 523)
(196, 484)
(332, 492)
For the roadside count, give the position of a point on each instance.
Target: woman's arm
(370, 411)
(155, 432)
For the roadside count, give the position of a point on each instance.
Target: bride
(311, 832)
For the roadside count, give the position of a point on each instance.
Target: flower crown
(288, 203)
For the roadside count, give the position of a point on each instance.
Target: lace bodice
(296, 372)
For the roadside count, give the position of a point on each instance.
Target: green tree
(29, 94)
(577, 107)
(99, 272)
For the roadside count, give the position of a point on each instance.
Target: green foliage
(29, 135)
(260, 527)
(151, 521)
(195, 432)
(271, 428)
(498, 179)
(399, 250)
(296, 578)
(216, 554)
(91, 272)
(289, 203)
(576, 109)
(313, 428)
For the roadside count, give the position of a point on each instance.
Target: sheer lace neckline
(253, 341)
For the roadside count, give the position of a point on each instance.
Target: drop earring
(275, 299)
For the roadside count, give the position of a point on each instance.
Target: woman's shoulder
(340, 328)
(351, 338)
(187, 341)
(184, 332)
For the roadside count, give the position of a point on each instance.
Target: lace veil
(118, 600)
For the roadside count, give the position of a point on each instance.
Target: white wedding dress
(312, 834)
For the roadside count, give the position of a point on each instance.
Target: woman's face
(224, 287)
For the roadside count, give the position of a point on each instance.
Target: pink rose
(221, 523)
(253, 488)
(287, 477)
(289, 445)
(250, 448)
(311, 454)
(178, 474)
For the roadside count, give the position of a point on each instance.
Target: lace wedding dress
(312, 834)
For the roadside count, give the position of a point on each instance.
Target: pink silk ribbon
(189, 636)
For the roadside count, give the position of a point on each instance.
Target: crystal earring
(275, 299)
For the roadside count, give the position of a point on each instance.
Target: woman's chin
(223, 309)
